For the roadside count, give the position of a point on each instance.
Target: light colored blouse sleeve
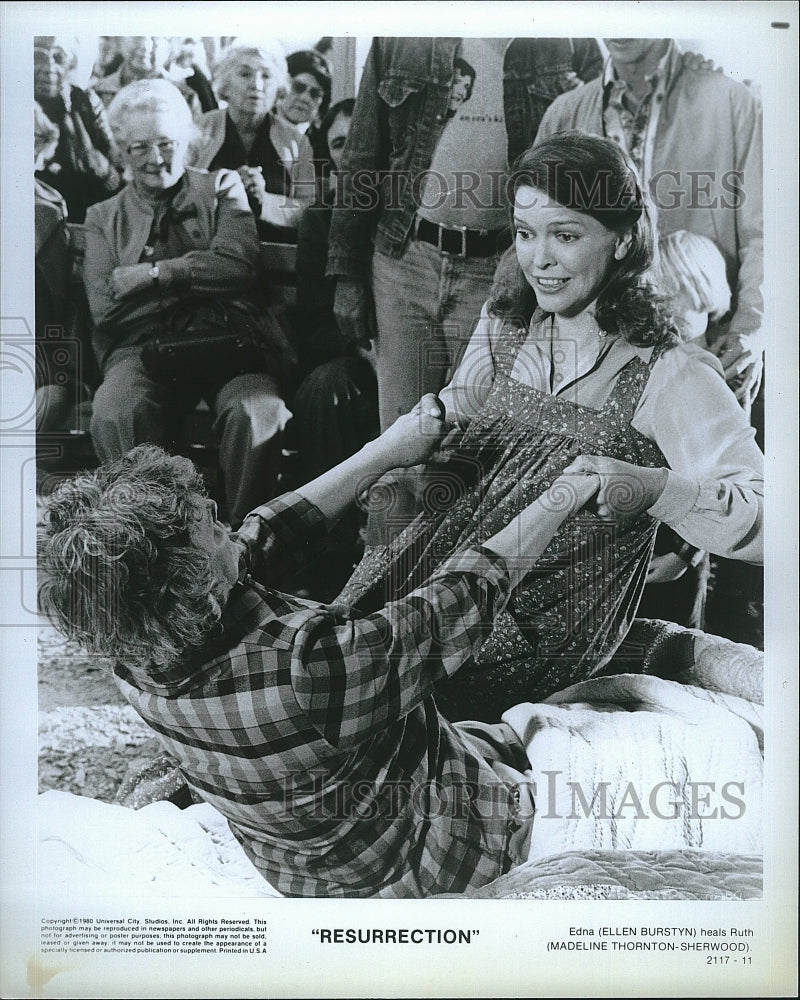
(466, 392)
(714, 497)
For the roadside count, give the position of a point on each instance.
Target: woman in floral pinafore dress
(522, 430)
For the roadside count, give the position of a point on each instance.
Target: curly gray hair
(119, 570)
(270, 53)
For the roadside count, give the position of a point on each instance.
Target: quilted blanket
(680, 874)
(648, 788)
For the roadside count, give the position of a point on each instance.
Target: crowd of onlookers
(408, 267)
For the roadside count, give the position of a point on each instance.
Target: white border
(510, 958)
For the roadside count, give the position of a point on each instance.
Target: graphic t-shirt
(465, 185)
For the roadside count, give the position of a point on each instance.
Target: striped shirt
(316, 735)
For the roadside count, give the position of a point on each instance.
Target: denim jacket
(399, 117)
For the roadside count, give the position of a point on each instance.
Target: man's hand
(625, 489)
(127, 279)
(354, 311)
(695, 61)
(742, 362)
(415, 436)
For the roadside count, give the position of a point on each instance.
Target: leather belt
(458, 240)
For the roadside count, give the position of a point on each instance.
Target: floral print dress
(571, 612)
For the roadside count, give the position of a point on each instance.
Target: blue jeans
(427, 305)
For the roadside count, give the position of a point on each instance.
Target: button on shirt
(316, 736)
(635, 128)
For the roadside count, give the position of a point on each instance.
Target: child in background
(692, 275)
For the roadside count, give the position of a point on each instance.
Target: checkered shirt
(316, 735)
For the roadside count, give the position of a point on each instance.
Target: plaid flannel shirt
(316, 735)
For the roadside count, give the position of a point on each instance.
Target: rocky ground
(89, 739)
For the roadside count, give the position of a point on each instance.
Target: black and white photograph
(398, 576)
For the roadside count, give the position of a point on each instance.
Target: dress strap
(509, 343)
(624, 397)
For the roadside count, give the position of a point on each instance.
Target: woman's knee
(253, 403)
(123, 415)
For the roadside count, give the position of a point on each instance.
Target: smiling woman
(153, 134)
(575, 365)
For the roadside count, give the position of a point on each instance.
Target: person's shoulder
(568, 107)
(211, 120)
(582, 94)
(101, 213)
(678, 361)
(712, 81)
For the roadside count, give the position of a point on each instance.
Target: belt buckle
(455, 229)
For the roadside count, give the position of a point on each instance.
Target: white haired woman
(274, 160)
(172, 241)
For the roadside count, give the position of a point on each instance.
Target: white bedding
(631, 762)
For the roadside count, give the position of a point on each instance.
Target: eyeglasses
(166, 147)
(57, 56)
(299, 87)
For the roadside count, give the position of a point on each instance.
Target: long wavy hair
(590, 174)
(118, 570)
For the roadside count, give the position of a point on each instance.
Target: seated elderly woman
(303, 105)
(274, 160)
(82, 165)
(176, 250)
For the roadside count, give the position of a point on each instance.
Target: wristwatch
(154, 273)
